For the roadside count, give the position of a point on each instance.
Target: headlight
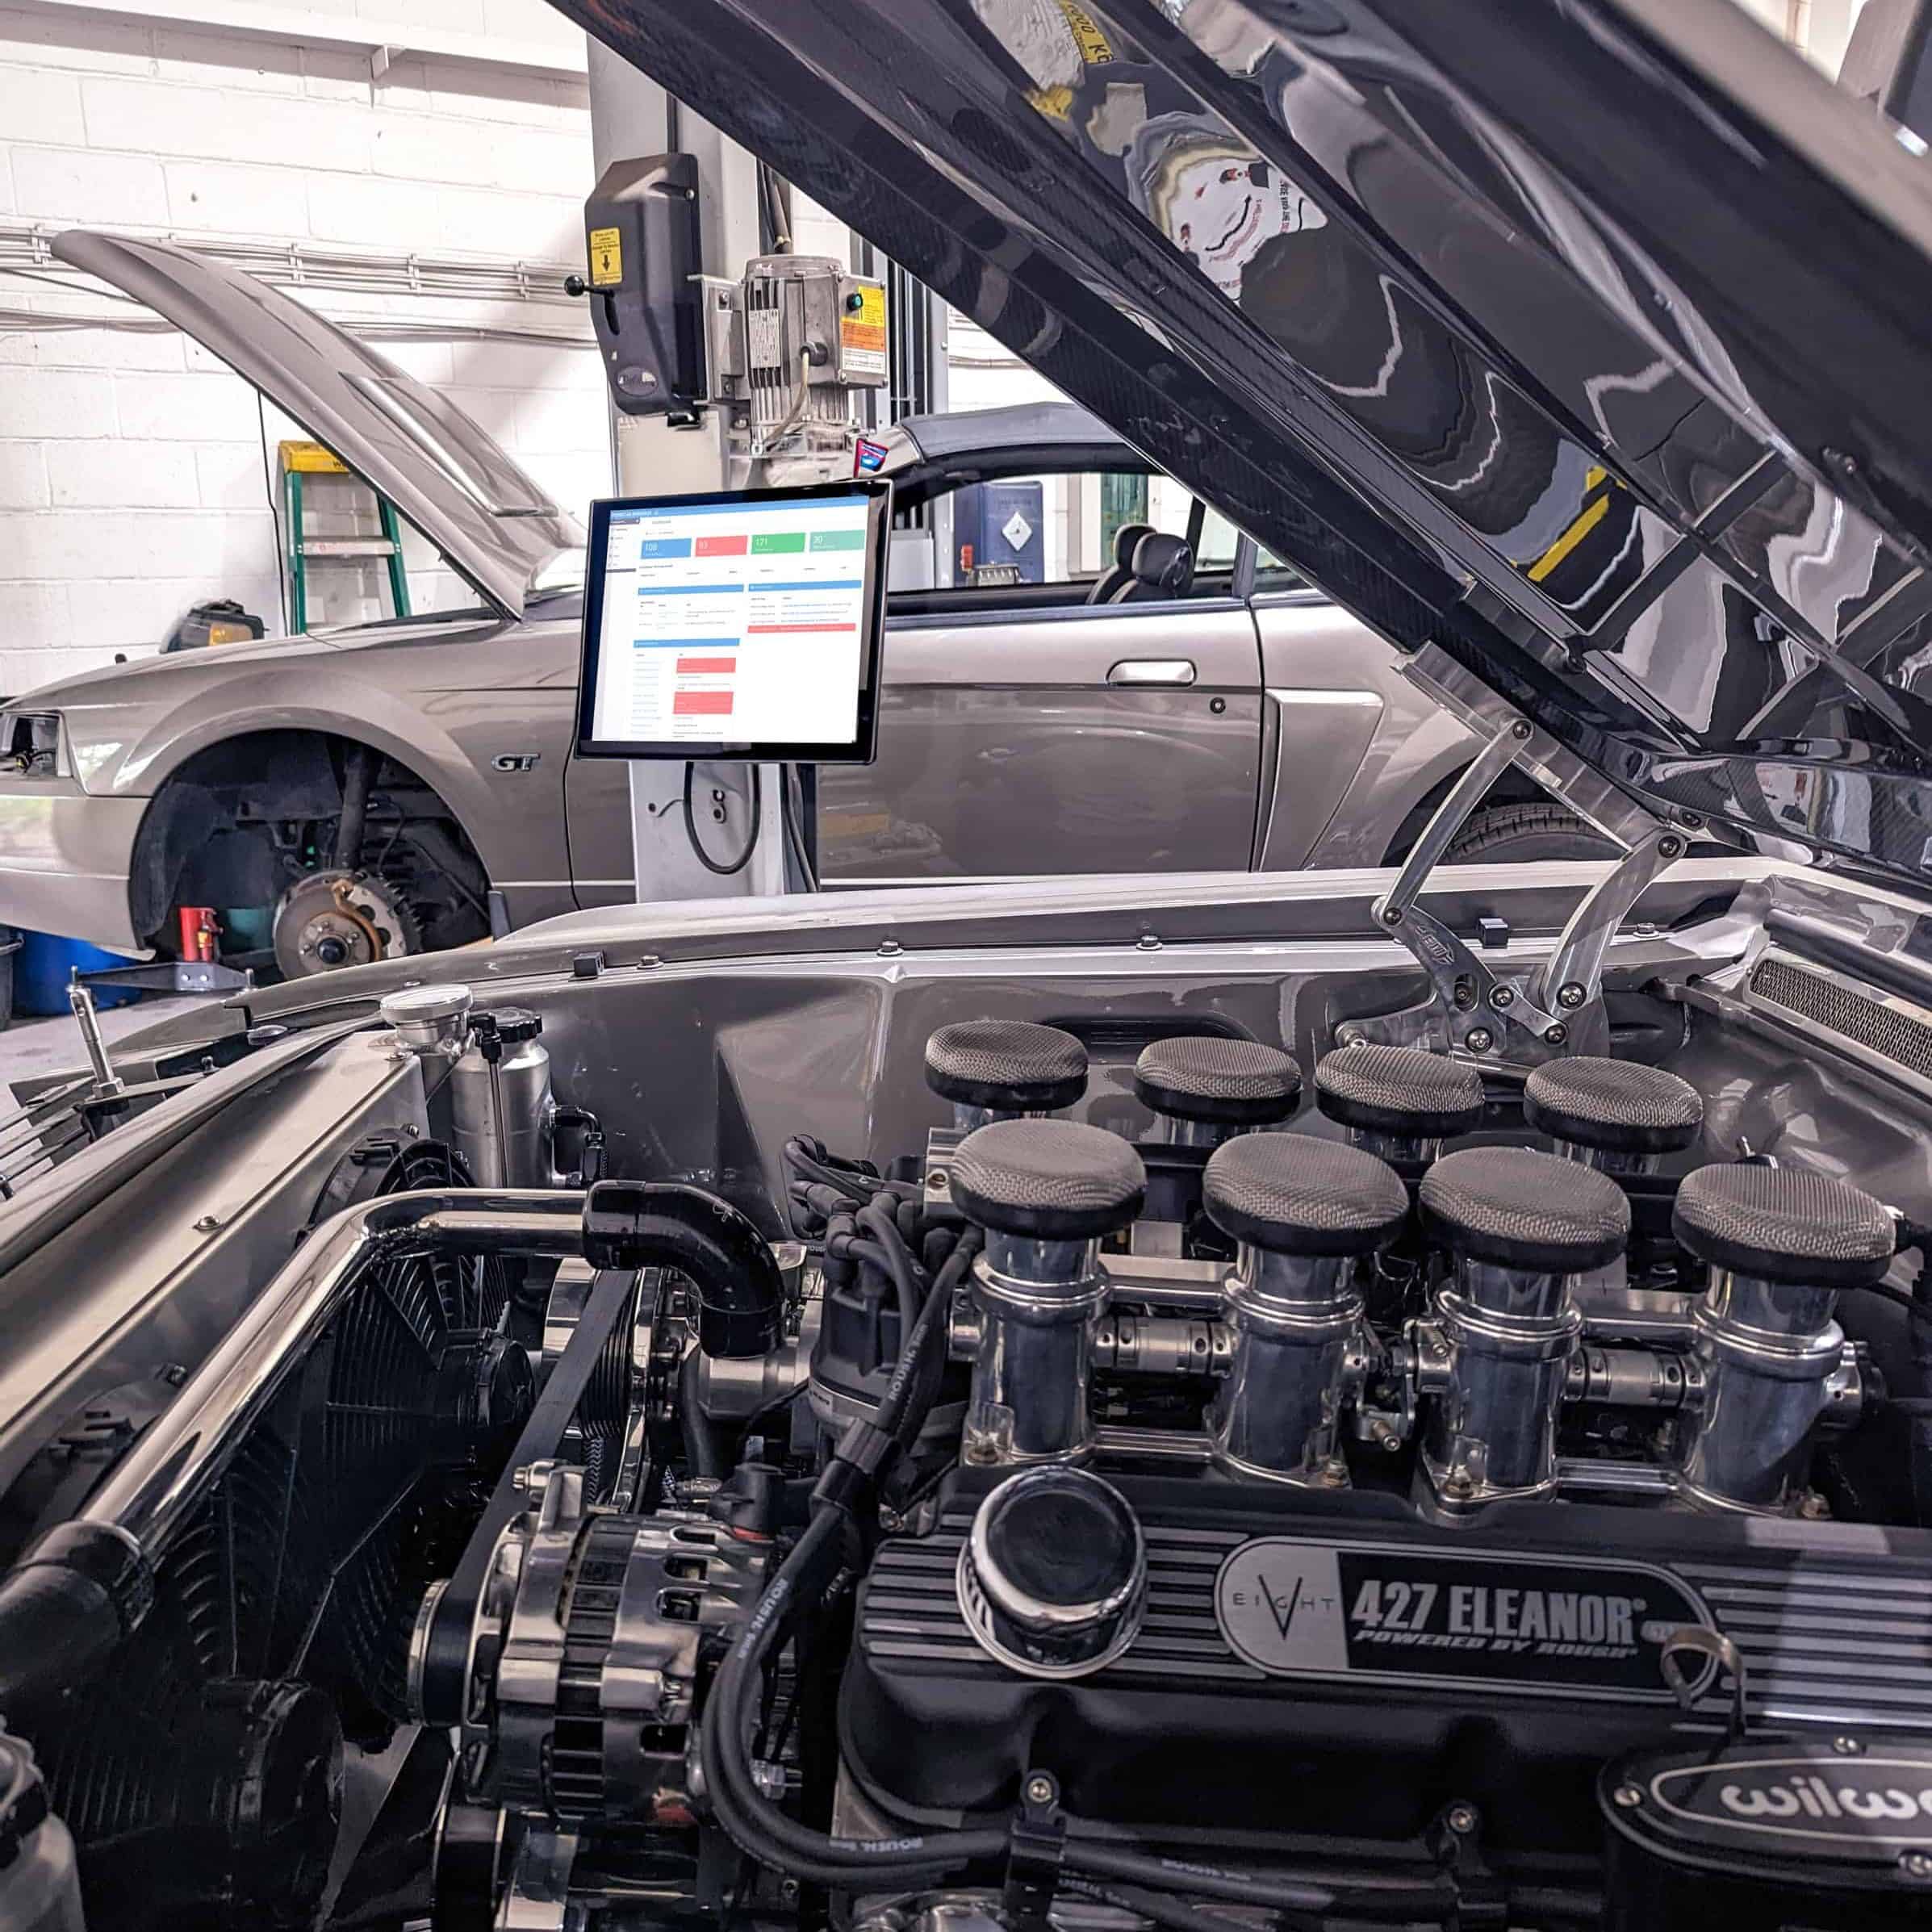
(30, 744)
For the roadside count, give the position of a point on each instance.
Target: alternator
(584, 1659)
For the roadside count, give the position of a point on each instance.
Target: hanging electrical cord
(724, 871)
(794, 804)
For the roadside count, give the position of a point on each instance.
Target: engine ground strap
(446, 1659)
(1036, 1842)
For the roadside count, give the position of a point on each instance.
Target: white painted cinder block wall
(132, 480)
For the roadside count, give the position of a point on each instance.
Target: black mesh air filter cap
(1226, 1083)
(1519, 1208)
(1398, 1090)
(1612, 1104)
(1013, 1066)
(1055, 1179)
(1294, 1194)
(1784, 1224)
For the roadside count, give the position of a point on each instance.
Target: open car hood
(1583, 338)
(444, 476)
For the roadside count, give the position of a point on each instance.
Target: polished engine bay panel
(997, 1422)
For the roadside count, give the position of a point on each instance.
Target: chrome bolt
(1813, 1508)
(1626, 1797)
(1478, 1039)
(207, 1223)
(769, 1777)
(1501, 998)
(1519, 729)
(1391, 915)
(1571, 995)
(1148, 942)
(1558, 1034)
(1041, 1789)
(1457, 1485)
(1386, 1435)
(1334, 1474)
(1916, 1864)
(1846, 1747)
(1669, 846)
(1462, 1819)
(889, 949)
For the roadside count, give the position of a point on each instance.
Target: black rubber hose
(358, 775)
(64, 1609)
(632, 1224)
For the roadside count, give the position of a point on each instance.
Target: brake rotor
(329, 920)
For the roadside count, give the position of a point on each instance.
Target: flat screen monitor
(743, 624)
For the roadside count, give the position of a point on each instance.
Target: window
(1058, 531)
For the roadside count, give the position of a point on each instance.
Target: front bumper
(65, 860)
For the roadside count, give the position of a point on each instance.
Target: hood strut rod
(1519, 1013)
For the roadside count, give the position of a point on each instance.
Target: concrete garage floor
(32, 1048)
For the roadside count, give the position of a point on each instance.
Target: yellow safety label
(1095, 50)
(864, 326)
(606, 257)
(312, 459)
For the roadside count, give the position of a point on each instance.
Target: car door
(1024, 731)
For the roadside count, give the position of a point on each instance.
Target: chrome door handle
(1152, 670)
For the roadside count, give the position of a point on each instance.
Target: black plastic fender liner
(633, 1224)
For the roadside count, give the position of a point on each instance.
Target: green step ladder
(300, 460)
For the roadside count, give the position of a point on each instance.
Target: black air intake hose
(631, 1225)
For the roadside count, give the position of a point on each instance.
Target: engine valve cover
(1305, 1663)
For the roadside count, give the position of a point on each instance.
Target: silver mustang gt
(1214, 712)
(1388, 1396)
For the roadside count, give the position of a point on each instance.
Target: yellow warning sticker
(1094, 48)
(862, 329)
(312, 459)
(606, 257)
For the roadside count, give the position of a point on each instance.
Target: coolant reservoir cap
(428, 1019)
(1053, 1579)
(423, 1006)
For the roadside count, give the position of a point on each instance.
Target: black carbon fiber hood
(1509, 322)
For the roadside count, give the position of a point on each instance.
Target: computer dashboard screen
(741, 624)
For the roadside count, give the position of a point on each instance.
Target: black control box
(642, 256)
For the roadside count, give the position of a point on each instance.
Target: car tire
(1501, 835)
